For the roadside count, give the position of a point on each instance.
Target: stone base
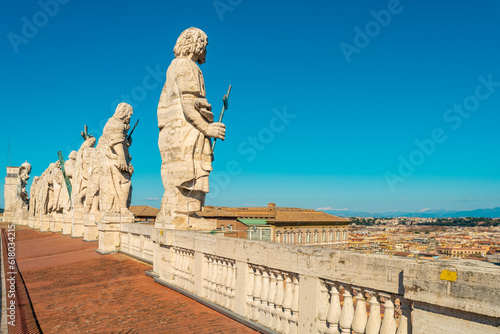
(90, 230)
(37, 222)
(31, 222)
(77, 223)
(45, 223)
(56, 224)
(109, 231)
(66, 224)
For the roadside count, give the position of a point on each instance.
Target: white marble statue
(115, 169)
(186, 125)
(82, 170)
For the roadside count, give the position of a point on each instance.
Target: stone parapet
(297, 289)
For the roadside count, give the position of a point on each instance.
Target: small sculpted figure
(186, 125)
(22, 194)
(115, 169)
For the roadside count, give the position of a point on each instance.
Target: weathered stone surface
(109, 230)
(16, 197)
(186, 125)
(115, 169)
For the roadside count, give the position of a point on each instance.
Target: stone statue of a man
(115, 169)
(186, 125)
(81, 172)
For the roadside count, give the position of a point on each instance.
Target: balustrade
(182, 268)
(342, 308)
(272, 298)
(219, 280)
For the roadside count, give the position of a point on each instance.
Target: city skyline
(373, 106)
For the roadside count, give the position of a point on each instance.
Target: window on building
(308, 237)
(316, 237)
(345, 236)
(278, 237)
(331, 236)
(299, 238)
(323, 236)
(337, 236)
(292, 237)
(285, 238)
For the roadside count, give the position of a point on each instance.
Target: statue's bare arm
(120, 152)
(213, 130)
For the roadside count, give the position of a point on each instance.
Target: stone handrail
(294, 289)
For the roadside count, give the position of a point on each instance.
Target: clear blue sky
(359, 100)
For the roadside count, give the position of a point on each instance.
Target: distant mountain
(426, 213)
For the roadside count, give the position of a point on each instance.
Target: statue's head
(24, 171)
(192, 41)
(72, 155)
(89, 142)
(57, 164)
(124, 112)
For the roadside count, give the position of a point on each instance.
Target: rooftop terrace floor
(75, 290)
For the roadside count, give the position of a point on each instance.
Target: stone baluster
(184, 269)
(374, 320)
(263, 298)
(360, 315)
(217, 273)
(287, 304)
(404, 322)
(249, 291)
(218, 280)
(271, 312)
(294, 325)
(322, 308)
(278, 301)
(222, 282)
(233, 286)
(389, 325)
(229, 278)
(176, 267)
(334, 310)
(208, 275)
(190, 270)
(347, 314)
(256, 294)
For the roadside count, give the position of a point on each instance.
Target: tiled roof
(144, 210)
(308, 216)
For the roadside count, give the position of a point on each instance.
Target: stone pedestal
(77, 223)
(31, 222)
(109, 231)
(45, 223)
(66, 224)
(90, 231)
(56, 223)
(37, 222)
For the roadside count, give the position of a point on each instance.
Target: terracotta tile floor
(75, 290)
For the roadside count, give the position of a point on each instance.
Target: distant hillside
(433, 213)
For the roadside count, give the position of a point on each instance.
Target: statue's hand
(122, 164)
(216, 130)
(129, 142)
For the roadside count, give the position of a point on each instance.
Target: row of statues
(96, 179)
(99, 176)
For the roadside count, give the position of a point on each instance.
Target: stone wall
(294, 289)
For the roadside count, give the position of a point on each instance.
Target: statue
(22, 194)
(69, 168)
(81, 173)
(115, 169)
(33, 196)
(186, 126)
